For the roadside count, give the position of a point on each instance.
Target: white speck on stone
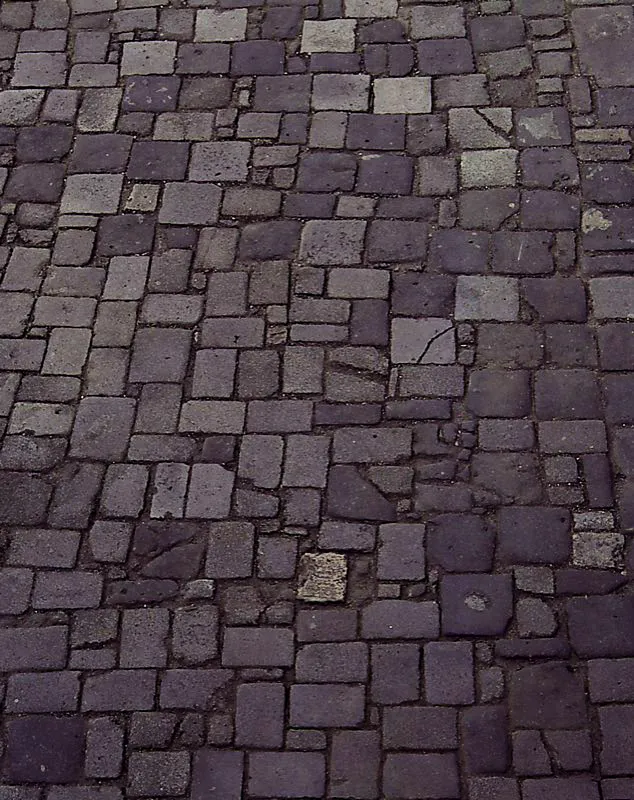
(476, 602)
(593, 220)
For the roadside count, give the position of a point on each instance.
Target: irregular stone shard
(322, 577)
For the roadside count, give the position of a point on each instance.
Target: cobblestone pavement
(316, 400)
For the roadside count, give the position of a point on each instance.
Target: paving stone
(340, 92)
(39, 69)
(35, 183)
(448, 669)
(405, 775)
(273, 330)
(220, 26)
(457, 542)
(547, 696)
(322, 577)
(264, 647)
(487, 298)
(217, 773)
(164, 773)
(485, 739)
(422, 726)
(499, 394)
(328, 36)
(303, 774)
(45, 749)
(328, 242)
(402, 95)
(209, 495)
(385, 174)
(542, 127)
(445, 56)
(610, 617)
(600, 52)
(102, 428)
(476, 604)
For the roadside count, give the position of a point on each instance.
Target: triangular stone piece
(352, 497)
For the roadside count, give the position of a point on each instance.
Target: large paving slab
(316, 400)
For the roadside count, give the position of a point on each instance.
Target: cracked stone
(423, 341)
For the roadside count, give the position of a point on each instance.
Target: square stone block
(487, 297)
(334, 92)
(488, 168)
(221, 26)
(91, 194)
(422, 341)
(332, 242)
(148, 58)
(402, 95)
(328, 36)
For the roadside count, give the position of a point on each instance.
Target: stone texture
(316, 444)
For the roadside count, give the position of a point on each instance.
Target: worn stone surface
(316, 421)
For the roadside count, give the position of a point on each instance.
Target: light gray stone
(148, 58)
(91, 194)
(371, 9)
(41, 419)
(402, 95)
(99, 110)
(221, 26)
(170, 487)
(210, 489)
(534, 618)
(422, 341)
(196, 126)
(322, 577)
(474, 129)
(126, 278)
(20, 106)
(143, 197)
(613, 297)
(39, 69)
(437, 22)
(358, 283)
(598, 549)
(487, 297)
(212, 416)
(328, 36)
(480, 168)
